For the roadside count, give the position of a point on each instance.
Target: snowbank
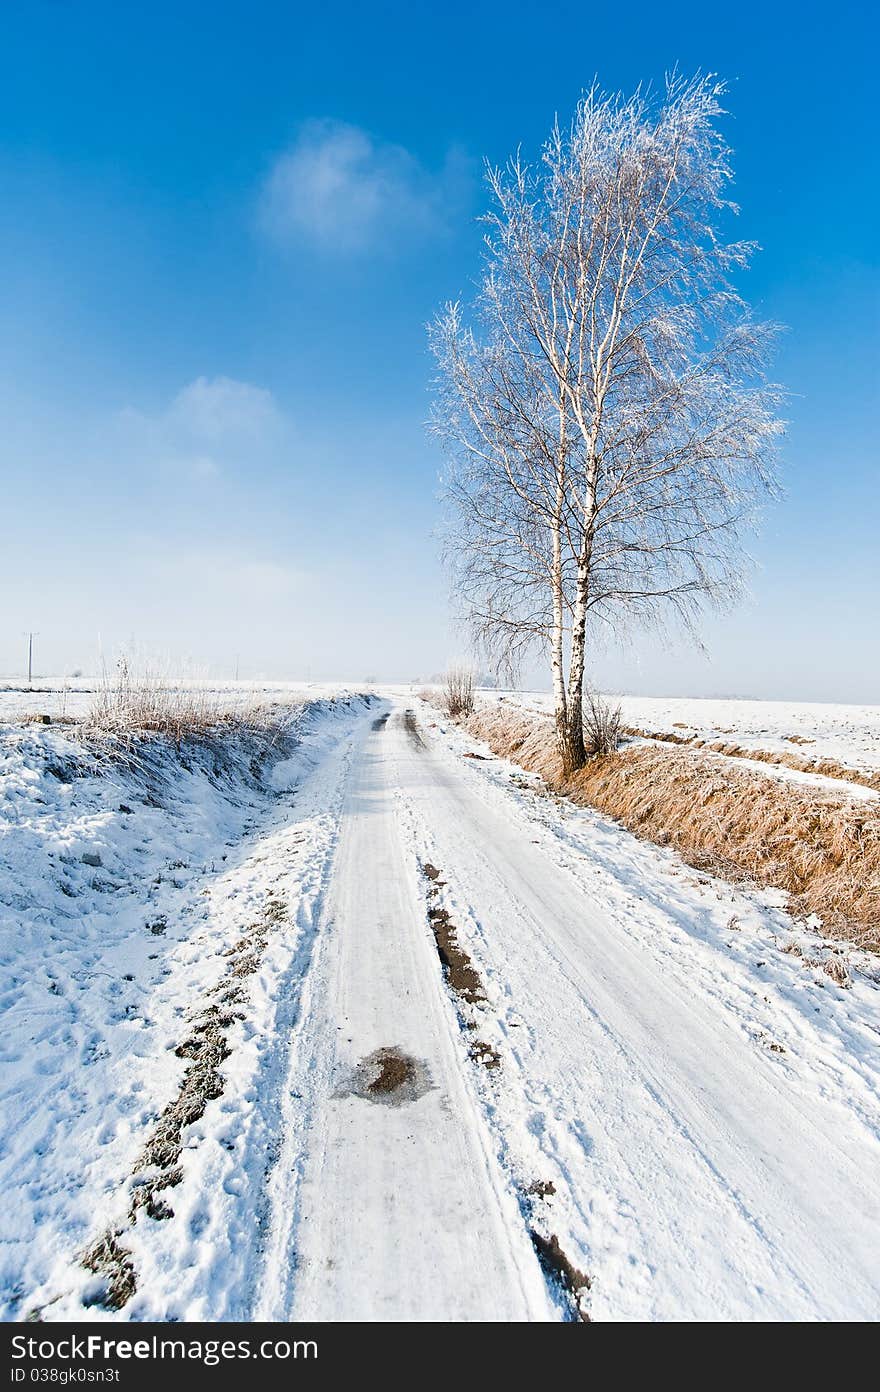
(108, 854)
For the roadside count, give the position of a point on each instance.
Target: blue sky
(223, 228)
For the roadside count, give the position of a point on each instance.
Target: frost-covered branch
(605, 411)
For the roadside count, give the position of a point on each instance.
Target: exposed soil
(381, 722)
(389, 1075)
(481, 1052)
(561, 1270)
(465, 981)
(542, 1188)
(457, 965)
(394, 1070)
(458, 969)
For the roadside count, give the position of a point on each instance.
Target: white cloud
(209, 424)
(213, 409)
(342, 190)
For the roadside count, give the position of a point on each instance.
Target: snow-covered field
(849, 734)
(629, 1099)
(74, 697)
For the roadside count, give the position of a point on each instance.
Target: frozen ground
(628, 1071)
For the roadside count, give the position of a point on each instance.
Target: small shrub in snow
(601, 725)
(139, 700)
(458, 692)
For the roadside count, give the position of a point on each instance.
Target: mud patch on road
(559, 1270)
(389, 1076)
(458, 969)
(481, 1052)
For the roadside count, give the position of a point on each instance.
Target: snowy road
(403, 1212)
(625, 1098)
(700, 1169)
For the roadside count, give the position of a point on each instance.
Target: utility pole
(30, 638)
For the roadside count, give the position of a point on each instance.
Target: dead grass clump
(820, 847)
(106, 1258)
(207, 1047)
(833, 965)
(141, 700)
(158, 1168)
(836, 968)
(601, 725)
(458, 692)
(202, 1082)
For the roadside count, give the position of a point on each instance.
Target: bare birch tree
(606, 414)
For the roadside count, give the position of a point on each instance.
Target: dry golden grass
(822, 848)
(829, 768)
(143, 702)
(140, 701)
(458, 692)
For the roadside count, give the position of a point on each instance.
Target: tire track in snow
(691, 1180)
(469, 998)
(387, 1212)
